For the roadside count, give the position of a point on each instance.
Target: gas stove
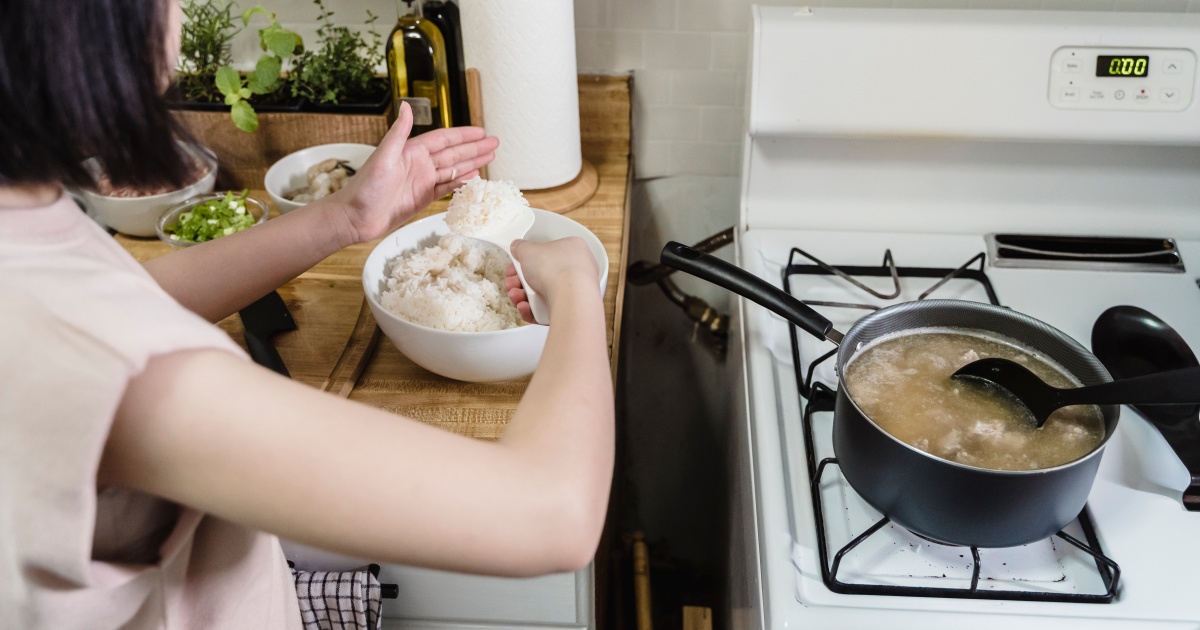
(874, 556)
(945, 145)
(1134, 518)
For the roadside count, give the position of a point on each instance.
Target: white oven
(1046, 161)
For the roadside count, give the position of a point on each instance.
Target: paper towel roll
(525, 54)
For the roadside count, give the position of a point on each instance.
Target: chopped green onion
(212, 219)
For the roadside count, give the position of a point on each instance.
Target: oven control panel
(1122, 79)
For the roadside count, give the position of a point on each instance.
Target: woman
(145, 464)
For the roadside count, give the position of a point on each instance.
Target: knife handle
(265, 354)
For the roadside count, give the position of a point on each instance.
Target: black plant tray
(222, 107)
(378, 105)
(274, 102)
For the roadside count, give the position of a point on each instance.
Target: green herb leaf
(253, 11)
(278, 40)
(230, 99)
(266, 75)
(228, 82)
(244, 117)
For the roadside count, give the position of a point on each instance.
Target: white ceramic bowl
(288, 173)
(138, 216)
(498, 355)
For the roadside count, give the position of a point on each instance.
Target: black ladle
(1130, 342)
(1162, 388)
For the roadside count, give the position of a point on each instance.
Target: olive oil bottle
(416, 61)
(444, 14)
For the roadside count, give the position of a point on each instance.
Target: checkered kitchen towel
(347, 600)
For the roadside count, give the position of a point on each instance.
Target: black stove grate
(820, 398)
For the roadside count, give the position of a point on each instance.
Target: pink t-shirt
(79, 318)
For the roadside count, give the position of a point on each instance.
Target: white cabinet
(439, 600)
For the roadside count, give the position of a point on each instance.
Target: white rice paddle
(503, 237)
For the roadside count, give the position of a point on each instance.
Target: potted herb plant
(206, 79)
(339, 75)
(204, 48)
(206, 72)
(259, 88)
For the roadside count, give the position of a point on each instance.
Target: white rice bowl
(484, 356)
(457, 284)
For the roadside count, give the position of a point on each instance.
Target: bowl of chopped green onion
(207, 217)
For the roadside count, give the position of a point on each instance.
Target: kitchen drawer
(438, 599)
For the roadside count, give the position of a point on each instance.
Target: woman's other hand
(404, 175)
(550, 268)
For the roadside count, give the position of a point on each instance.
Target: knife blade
(266, 317)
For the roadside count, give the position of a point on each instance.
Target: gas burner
(971, 271)
(865, 531)
(887, 268)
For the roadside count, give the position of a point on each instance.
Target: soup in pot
(903, 384)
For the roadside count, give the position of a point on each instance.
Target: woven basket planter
(244, 158)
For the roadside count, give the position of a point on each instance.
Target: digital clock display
(1122, 66)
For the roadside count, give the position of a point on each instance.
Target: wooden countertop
(325, 301)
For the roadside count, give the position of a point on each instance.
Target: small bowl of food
(207, 217)
(135, 212)
(440, 298)
(309, 174)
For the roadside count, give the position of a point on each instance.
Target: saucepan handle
(742, 282)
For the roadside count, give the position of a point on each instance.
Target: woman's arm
(401, 177)
(208, 430)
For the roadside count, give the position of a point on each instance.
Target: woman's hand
(405, 174)
(550, 268)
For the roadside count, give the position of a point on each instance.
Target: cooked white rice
(481, 206)
(456, 285)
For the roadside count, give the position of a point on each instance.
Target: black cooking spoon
(1163, 388)
(1130, 341)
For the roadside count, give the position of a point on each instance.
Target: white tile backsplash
(670, 122)
(607, 50)
(722, 124)
(730, 51)
(706, 87)
(652, 159)
(651, 87)
(704, 158)
(591, 14)
(650, 15)
(678, 50)
(715, 15)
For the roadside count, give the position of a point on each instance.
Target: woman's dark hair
(83, 78)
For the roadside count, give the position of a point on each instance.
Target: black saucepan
(941, 500)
